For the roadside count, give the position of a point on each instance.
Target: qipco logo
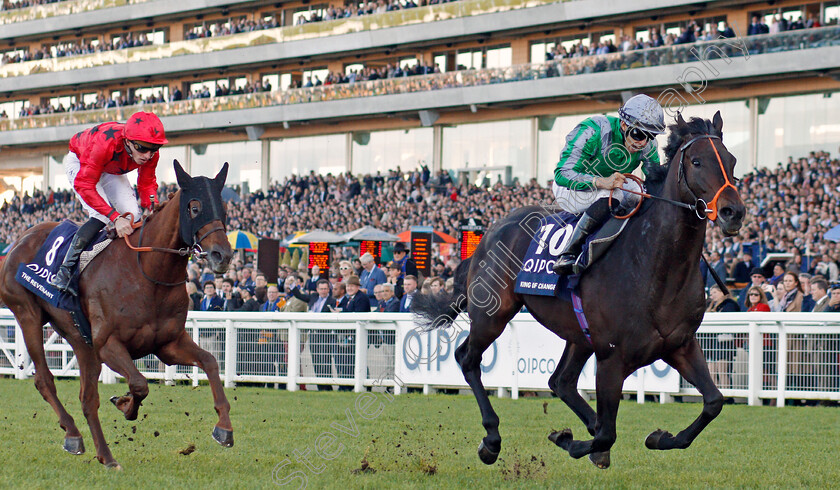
(428, 350)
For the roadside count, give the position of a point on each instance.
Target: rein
(192, 251)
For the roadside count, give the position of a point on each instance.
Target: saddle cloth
(536, 276)
(36, 275)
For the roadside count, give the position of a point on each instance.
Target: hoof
(653, 440)
(561, 438)
(113, 465)
(74, 445)
(114, 399)
(223, 437)
(486, 455)
(600, 460)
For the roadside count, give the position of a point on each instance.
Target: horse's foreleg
(608, 382)
(564, 383)
(115, 355)
(691, 364)
(33, 336)
(185, 352)
(468, 356)
(89, 368)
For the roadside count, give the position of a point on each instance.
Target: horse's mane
(679, 131)
(159, 206)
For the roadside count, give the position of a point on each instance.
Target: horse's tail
(433, 311)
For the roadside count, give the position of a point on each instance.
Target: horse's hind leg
(609, 379)
(115, 355)
(33, 335)
(564, 384)
(691, 364)
(185, 352)
(482, 335)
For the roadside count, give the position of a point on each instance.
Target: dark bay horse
(644, 299)
(137, 305)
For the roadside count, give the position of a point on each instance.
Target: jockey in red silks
(96, 166)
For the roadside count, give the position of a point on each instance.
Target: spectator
(249, 303)
(319, 302)
(834, 302)
(313, 281)
(293, 304)
(345, 269)
(410, 288)
(273, 302)
(719, 266)
(392, 274)
(387, 301)
(776, 304)
(232, 299)
(807, 300)
(371, 276)
(406, 264)
(722, 347)
(436, 285)
(340, 297)
(819, 293)
(778, 274)
(194, 295)
(756, 300)
(210, 301)
(741, 272)
(357, 301)
(757, 27)
(792, 300)
(758, 280)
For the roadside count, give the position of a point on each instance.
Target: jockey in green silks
(597, 154)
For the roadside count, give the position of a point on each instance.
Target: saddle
(536, 276)
(36, 275)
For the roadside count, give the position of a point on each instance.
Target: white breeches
(115, 189)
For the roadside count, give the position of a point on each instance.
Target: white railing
(757, 355)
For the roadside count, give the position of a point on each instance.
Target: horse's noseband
(196, 249)
(701, 207)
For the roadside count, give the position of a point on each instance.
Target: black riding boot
(62, 280)
(597, 214)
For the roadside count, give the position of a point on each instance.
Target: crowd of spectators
(21, 4)
(789, 210)
(124, 41)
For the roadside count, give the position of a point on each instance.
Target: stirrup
(62, 281)
(565, 265)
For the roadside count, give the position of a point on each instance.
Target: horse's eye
(695, 162)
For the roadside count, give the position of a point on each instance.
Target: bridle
(700, 208)
(193, 250)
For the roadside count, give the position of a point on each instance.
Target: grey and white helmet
(643, 112)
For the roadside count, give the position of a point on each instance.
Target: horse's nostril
(216, 257)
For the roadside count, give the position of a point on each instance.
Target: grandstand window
(674, 28)
(440, 61)
(62, 103)
(165, 171)
(499, 57)
(312, 13)
(90, 99)
(408, 62)
(315, 75)
(604, 37)
(203, 88)
(491, 57)
(242, 82)
(243, 157)
(384, 150)
(358, 67)
(273, 80)
(156, 36)
(571, 42)
(550, 143)
(539, 49)
(298, 156)
(146, 93)
(831, 12)
(12, 108)
(796, 125)
(497, 147)
(643, 33)
(791, 14)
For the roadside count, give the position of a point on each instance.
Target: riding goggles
(639, 134)
(144, 149)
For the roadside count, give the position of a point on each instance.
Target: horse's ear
(680, 121)
(221, 177)
(717, 123)
(181, 175)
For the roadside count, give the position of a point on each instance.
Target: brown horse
(137, 305)
(644, 299)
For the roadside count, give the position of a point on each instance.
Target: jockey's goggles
(639, 134)
(144, 149)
